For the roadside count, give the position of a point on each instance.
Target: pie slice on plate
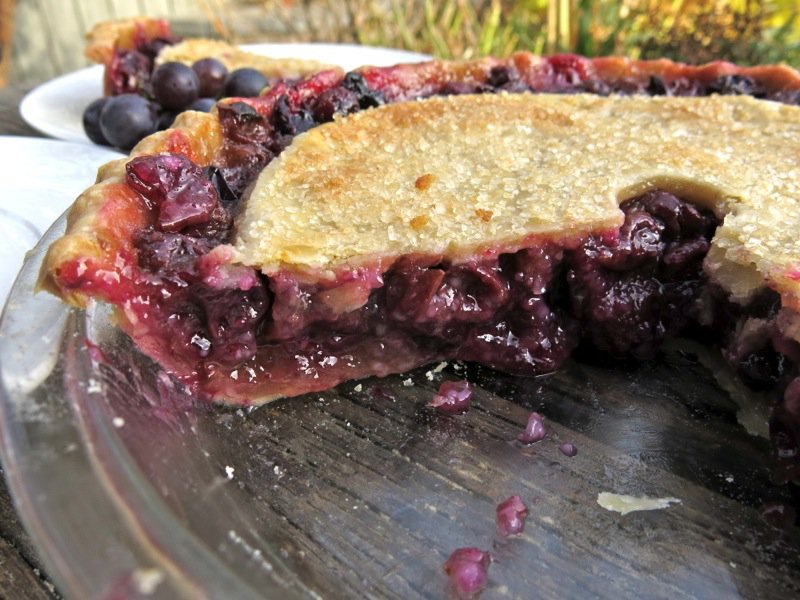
(132, 48)
(499, 211)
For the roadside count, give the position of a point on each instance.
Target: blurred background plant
(48, 34)
(745, 31)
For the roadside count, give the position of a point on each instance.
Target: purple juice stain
(381, 393)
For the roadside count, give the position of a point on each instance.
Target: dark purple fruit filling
(467, 572)
(736, 85)
(334, 101)
(181, 194)
(632, 291)
(521, 312)
(739, 85)
(226, 194)
(453, 397)
(367, 98)
(218, 325)
(511, 515)
(130, 69)
(568, 449)
(535, 431)
(621, 293)
(129, 72)
(249, 145)
(287, 123)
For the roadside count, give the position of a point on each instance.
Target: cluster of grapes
(123, 120)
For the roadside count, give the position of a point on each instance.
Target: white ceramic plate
(55, 108)
(40, 179)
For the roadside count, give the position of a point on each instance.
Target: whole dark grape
(202, 104)
(175, 85)
(126, 119)
(91, 122)
(211, 74)
(245, 83)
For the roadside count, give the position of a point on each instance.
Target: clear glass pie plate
(131, 488)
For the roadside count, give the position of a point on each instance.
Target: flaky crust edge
(88, 236)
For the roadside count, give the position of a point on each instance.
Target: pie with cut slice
(498, 211)
(131, 49)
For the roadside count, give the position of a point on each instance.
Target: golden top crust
(462, 175)
(191, 50)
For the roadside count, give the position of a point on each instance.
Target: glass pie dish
(131, 488)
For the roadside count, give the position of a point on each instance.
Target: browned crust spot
(423, 182)
(484, 215)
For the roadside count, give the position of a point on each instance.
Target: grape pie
(150, 77)
(498, 211)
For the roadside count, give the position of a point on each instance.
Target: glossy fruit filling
(131, 68)
(520, 312)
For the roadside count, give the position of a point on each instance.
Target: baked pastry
(132, 48)
(283, 244)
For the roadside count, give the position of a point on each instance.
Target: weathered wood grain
(49, 34)
(364, 490)
(377, 490)
(11, 122)
(21, 573)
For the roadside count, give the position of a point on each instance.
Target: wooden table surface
(665, 427)
(21, 574)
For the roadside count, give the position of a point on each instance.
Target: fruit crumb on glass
(467, 571)
(534, 430)
(454, 397)
(511, 515)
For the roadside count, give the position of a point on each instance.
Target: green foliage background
(743, 31)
